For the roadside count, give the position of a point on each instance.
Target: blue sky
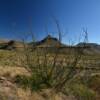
(73, 15)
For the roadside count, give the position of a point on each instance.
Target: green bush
(33, 82)
(22, 81)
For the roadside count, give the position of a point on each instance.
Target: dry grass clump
(13, 71)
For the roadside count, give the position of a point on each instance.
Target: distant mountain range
(48, 41)
(93, 47)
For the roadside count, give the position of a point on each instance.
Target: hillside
(48, 41)
(10, 45)
(93, 48)
(51, 43)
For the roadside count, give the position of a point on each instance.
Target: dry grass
(13, 71)
(7, 68)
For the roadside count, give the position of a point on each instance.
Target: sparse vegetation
(68, 72)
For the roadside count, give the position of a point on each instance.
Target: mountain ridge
(48, 41)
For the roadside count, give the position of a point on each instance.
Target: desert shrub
(32, 82)
(94, 83)
(22, 81)
(48, 71)
(81, 92)
(53, 71)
